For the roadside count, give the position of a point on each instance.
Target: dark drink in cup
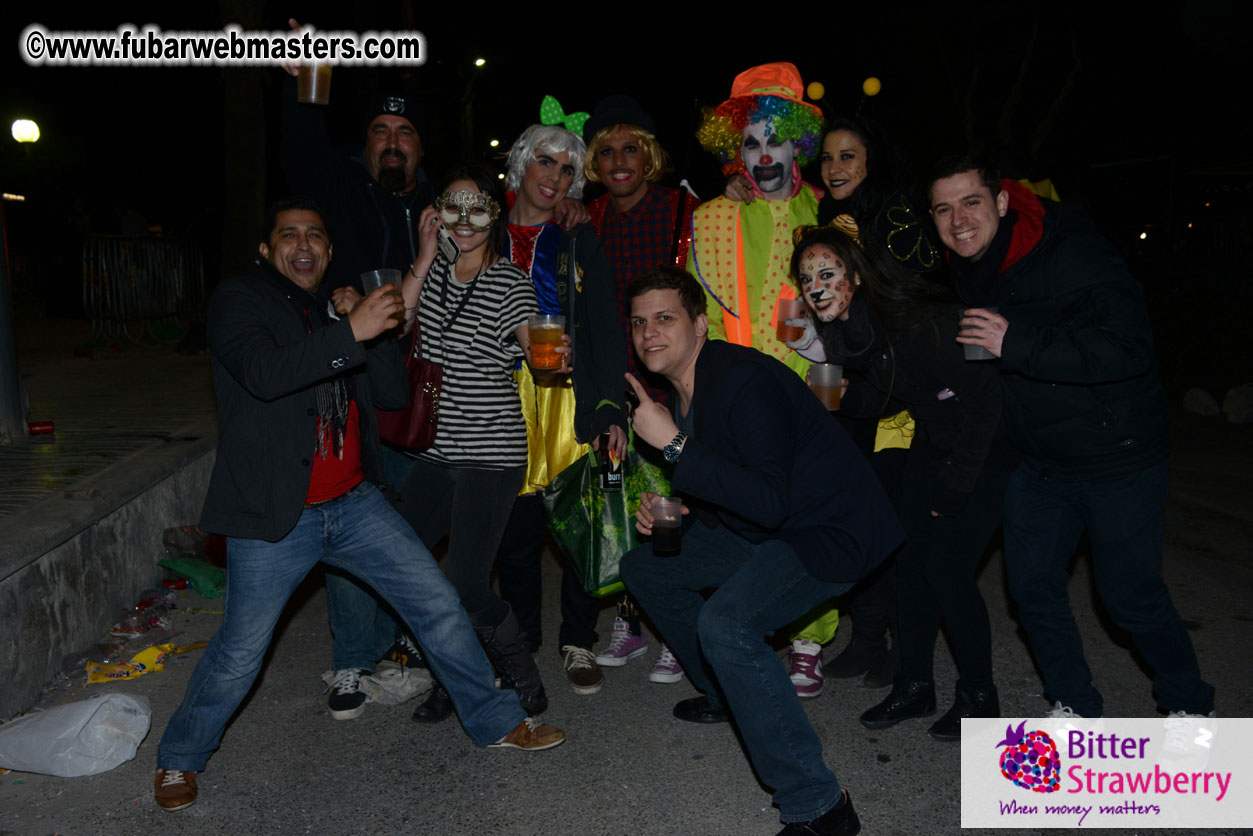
(667, 538)
(667, 525)
(829, 395)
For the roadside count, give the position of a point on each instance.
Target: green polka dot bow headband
(550, 113)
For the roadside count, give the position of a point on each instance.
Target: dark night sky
(1167, 88)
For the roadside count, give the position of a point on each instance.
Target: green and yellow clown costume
(741, 252)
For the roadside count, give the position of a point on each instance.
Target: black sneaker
(581, 669)
(840, 820)
(347, 700)
(406, 653)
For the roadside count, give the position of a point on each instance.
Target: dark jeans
(1044, 519)
(363, 535)
(519, 567)
(473, 506)
(721, 644)
(935, 572)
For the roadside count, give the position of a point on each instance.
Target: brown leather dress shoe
(531, 736)
(174, 789)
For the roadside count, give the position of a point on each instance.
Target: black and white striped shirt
(480, 418)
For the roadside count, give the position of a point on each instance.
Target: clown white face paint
(768, 160)
(825, 283)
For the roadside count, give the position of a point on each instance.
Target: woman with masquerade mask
(897, 345)
(473, 318)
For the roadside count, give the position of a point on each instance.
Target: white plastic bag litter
(82, 738)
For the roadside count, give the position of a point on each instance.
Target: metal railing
(141, 282)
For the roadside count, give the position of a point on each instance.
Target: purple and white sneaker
(805, 670)
(623, 646)
(666, 670)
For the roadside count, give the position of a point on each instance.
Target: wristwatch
(672, 450)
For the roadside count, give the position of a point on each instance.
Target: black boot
(857, 658)
(506, 648)
(909, 699)
(438, 705)
(971, 702)
(882, 672)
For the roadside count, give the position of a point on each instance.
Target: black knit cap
(394, 104)
(618, 110)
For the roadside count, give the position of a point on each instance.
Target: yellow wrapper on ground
(144, 662)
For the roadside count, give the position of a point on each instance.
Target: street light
(11, 419)
(25, 130)
(478, 62)
(494, 143)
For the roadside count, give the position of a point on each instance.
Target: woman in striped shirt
(472, 313)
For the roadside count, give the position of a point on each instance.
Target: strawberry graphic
(1030, 759)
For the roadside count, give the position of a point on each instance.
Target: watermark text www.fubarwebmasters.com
(133, 46)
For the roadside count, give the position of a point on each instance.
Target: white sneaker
(1189, 739)
(1059, 711)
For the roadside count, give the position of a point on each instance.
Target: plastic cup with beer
(667, 525)
(371, 280)
(826, 381)
(545, 331)
(313, 84)
(790, 309)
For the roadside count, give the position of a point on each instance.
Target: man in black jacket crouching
(784, 513)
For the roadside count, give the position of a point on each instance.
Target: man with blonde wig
(636, 221)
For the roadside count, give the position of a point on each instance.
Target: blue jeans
(1044, 519)
(363, 629)
(361, 533)
(722, 646)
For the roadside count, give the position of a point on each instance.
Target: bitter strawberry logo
(1030, 759)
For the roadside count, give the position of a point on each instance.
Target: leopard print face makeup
(825, 283)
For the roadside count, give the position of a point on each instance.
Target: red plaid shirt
(638, 240)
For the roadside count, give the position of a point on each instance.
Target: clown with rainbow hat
(740, 251)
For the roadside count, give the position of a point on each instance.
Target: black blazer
(265, 368)
(769, 462)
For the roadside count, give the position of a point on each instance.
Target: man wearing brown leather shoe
(293, 486)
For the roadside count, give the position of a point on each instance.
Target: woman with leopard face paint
(825, 283)
(896, 341)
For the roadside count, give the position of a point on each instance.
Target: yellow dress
(548, 407)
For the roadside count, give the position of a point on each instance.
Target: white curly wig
(549, 139)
